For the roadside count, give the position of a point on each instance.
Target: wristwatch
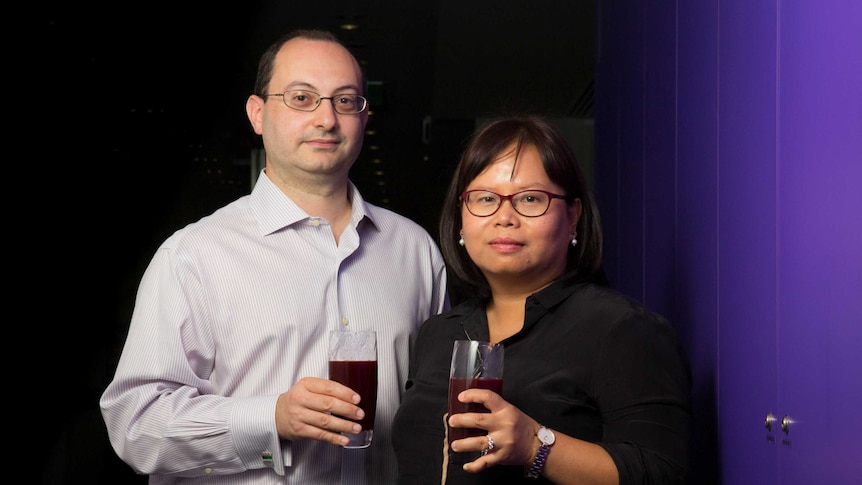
(547, 438)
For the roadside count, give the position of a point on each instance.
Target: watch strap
(538, 462)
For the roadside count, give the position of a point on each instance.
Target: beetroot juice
(361, 376)
(456, 385)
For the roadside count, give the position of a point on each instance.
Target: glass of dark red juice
(353, 362)
(475, 364)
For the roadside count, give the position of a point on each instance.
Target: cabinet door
(746, 241)
(820, 242)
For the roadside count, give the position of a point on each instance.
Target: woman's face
(513, 251)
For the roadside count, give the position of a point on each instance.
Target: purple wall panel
(631, 112)
(820, 242)
(606, 163)
(660, 160)
(697, 223)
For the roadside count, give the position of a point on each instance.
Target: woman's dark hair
(267, 59)
(486, 146)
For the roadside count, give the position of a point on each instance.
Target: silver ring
(490, 445)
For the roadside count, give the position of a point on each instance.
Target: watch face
(546, 436)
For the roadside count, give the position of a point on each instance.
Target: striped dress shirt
(234, 309)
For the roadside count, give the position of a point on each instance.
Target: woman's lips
(506, 244)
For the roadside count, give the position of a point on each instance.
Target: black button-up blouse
(589, 362)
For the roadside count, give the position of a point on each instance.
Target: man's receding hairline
(356, 65)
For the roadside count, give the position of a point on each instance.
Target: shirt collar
(274, 210)
(471, 313)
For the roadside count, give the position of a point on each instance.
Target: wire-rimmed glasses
(302, 100)
(528, 203)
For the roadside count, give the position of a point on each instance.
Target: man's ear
(254, 111)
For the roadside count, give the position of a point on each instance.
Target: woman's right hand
(513, 432)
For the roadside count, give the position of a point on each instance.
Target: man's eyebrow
(307, 86)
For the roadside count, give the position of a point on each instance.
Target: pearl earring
(461, 241)
(574, 239)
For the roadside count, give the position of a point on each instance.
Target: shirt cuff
(252, 425)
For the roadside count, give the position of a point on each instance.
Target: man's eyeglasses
(528, 203)
(346, 104)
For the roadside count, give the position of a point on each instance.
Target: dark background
(142, 129)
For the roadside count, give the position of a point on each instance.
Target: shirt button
(208, 470)
(315, 222)
(344, 321)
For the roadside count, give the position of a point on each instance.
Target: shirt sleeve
(643, 386)
(160, 409)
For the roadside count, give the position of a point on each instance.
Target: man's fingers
(318, 409)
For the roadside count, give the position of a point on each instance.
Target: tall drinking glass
(475, 364)
(353, 362)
